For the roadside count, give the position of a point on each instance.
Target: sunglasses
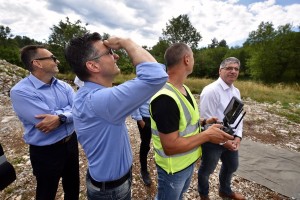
(108, 52)
(45, 58)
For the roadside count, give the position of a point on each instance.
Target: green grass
(289, 113)
(285, 94)
(121, 78)
(196, 85)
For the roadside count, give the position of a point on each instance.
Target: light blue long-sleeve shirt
(142, 111)
(31, 97)
(99, 117)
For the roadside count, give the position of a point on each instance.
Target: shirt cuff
(238, 137)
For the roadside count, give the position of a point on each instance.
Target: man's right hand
(137, 53)
(215, 135)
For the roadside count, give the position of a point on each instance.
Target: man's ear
(186, 59)
(36, 64)
(90, 65)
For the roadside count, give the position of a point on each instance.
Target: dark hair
(175, 53)
(79, 50)
(28, 53)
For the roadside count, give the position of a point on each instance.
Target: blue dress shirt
(141, 112)
(99, 117)
(31, 97)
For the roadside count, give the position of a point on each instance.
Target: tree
(223, 43)
(65, 31)
(207, 62)
(9, 50)
(274, 55)
(61, 34)
(264, 33)
(24, 40)
(180, 29)
(159, 49)
(5, 33)
(214, 43)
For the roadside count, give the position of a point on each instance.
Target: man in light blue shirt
(44, 106)
(100, 110)
(31, 98)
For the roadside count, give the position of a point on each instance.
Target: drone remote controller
(231, 113)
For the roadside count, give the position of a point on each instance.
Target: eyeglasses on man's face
(45, 58)
(108, 52)
(231, 68)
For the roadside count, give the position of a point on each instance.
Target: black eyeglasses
(108, 52)
(45, 58)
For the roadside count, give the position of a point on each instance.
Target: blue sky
(143, 20)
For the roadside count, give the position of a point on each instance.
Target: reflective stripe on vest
(162, 153)
(189, 129)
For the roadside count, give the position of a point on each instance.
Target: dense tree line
(269, 54)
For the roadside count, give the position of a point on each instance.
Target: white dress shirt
(214, 98)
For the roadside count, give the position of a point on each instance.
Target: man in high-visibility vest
(175, 126)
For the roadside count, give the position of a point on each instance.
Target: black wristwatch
(62, 118)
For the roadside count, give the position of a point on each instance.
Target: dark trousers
(52, 162)
(211, 153)
(145, 134)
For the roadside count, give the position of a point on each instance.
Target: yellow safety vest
(188, 126)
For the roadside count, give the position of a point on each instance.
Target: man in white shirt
(213, 101)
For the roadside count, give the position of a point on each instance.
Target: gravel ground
(259, 125)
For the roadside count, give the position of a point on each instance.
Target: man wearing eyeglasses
(213, 100)
(100, 110)
(43, 104)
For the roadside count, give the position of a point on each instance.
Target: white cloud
(144, 20)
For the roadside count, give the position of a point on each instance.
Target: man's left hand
(233, 145)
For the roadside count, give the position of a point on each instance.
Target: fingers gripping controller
(231, 113)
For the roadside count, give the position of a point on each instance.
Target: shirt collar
(38, 83)
(223, 84)
(92, 85)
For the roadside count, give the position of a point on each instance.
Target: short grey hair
(229, 60)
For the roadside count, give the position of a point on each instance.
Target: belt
(64, 140)
(110, 184)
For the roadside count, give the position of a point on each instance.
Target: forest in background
(269, 54)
